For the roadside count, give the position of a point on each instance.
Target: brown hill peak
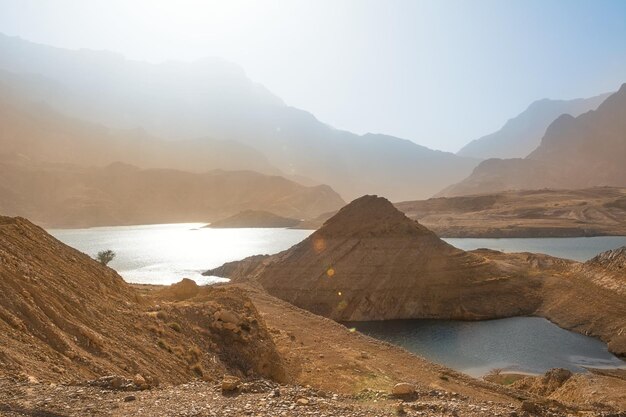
(371, 216)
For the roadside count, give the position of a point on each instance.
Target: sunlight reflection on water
(166, 253)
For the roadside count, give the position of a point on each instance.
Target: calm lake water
(577, 248)
(166, 253)
(524, 344)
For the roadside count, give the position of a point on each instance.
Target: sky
(440, 72)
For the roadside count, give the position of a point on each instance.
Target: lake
(166, 253)
(577, 248)
(522, 344)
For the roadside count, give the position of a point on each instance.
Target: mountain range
(576, 152)
(66, 195)
(522, 134)
(212, 98)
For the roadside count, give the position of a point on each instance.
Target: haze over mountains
(576, 152)
(522, 134)
(212, 98)
(93, 108)
(64, 195)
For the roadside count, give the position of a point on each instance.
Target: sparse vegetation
(163, 345)
(105, 256)
(175, 326)
(197, 369)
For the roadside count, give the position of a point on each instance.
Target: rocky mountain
(522, 134)
(371, 262)
(576, 152)
(63, 195)
(254, 218)
(212, 98)
(65, 318)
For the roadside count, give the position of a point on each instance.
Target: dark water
(525, 344)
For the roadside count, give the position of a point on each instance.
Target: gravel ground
(259, 398)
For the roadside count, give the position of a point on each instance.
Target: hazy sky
(437, 72)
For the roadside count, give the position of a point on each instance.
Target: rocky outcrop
(614, 260)
(229, 320)
(254, 218)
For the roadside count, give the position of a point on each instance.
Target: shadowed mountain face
(576, 152)
(57, 195)
(211, 98)
(522, 134)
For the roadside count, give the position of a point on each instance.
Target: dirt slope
(65, 317)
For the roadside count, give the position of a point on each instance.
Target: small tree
(105, 256)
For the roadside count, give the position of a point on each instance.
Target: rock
(403, 388)
(140, 382)
(531, 407)
(557, 375)
(230, 383)
(302, 401)
(129, 398)
(116, 382)
(227, 316)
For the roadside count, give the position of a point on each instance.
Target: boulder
(230, 383)
(403, 388)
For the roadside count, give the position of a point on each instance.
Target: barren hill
(576, 152)
(65, 317)
(594, 211)
(58, 195)
(371, 262)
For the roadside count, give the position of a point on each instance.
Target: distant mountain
(37, 131)
(212, 98)
(254, 218)
(63, 195)
(522, 134)
(576, 152)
